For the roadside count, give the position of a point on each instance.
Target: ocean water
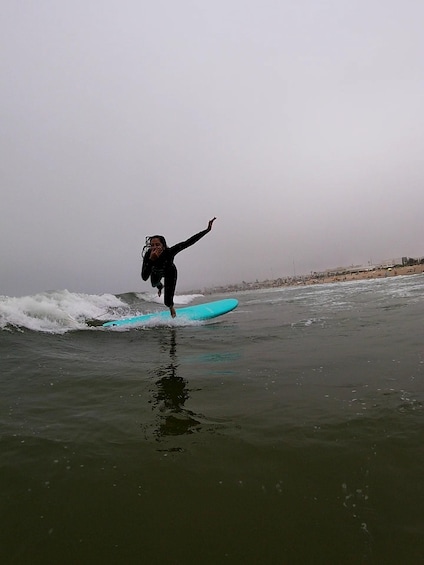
(289, 431)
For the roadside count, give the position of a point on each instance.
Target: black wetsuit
(164, 267)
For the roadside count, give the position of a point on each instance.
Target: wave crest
(61, 311)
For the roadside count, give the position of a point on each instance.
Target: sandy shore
(377, 273)
(317, 278)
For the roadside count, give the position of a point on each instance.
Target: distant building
(389, 263)
(408, 261)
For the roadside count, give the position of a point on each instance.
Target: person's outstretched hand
(210, 224)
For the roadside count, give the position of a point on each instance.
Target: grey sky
(300, 125)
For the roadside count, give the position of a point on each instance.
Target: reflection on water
(171, 393)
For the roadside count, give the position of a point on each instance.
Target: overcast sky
(299, 124)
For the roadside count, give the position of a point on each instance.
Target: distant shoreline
(373, 274)
(320, 278)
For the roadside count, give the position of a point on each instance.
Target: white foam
(57, 311)
(180, 299)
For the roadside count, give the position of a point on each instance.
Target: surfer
(158, 263)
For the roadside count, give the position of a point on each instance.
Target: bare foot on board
(172, 310)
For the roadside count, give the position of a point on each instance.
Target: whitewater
(62, 311)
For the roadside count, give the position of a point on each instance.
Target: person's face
(156, 246)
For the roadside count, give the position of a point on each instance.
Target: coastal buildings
(389, 267)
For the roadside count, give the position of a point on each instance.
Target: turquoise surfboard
(193, 313)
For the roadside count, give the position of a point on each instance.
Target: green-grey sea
(289, 431)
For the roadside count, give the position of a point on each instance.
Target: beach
(343, 274)
(370, 274)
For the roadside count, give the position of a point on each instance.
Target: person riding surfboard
(158, 263)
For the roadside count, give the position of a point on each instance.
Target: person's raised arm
(192, 240)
